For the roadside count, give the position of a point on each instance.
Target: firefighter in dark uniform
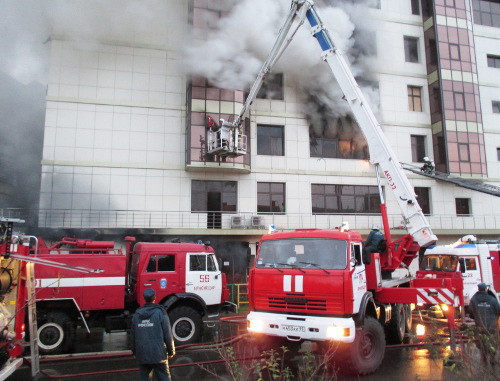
(152, 339)
(486, 310)
(374, 240)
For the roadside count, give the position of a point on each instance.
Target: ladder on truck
(473, 184)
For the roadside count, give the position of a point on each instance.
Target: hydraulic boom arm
(380, 150)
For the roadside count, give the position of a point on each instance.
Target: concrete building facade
(125, 133)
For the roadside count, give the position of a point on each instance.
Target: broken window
(415, 7)
(272, 87)
(411, 49)
(339, 138)
(463, 206)
(423, 199)
(417, 148)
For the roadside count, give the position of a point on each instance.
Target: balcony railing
(140, 219)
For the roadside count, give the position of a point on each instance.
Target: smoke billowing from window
(234, 49)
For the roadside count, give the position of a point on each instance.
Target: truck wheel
(367, 351)
(55, 330)
(186, 325)
(395, 329)
(409, 318)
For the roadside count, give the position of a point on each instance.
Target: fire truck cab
(476, 261)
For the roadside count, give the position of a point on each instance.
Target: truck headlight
(256, 325)
(334, 332)
(444, 307)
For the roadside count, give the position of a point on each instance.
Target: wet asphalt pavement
(102, 356)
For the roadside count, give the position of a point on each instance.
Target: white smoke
(232, 55)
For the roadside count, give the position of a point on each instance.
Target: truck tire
(395, 329)
(409, 318)
(186, 325)
(55, 331)
(365, 354)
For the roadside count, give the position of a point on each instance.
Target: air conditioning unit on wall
(236, 221)
(256, 221)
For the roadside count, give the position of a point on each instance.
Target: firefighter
(428, 166)
(485, 310)
(374, 240)
(151, 338)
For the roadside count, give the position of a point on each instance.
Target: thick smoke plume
(234, 51)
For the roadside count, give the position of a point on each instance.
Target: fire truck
(17, 296)
(185, 276)
(322, 285)
(476, 261)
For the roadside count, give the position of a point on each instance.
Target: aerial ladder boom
(381, 153)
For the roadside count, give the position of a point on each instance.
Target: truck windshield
(319, 253)
(440, 263)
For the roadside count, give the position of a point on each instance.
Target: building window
(495, 105)
(417, 148)
(498, 154)
(272, 87)
(213, 196)
(463, 152)
(459, 100)
(271, 197)
(463, 206)
(415, 7)
(414, 98)
(375, 4)
(493, 61)
(270, 140)
(332, 199)
(486, 12)
(423, 199)
(411, 49)
(455, 52)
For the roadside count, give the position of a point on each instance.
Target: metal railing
(238, 293)
(141, 219)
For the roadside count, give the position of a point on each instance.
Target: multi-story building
(125, 131)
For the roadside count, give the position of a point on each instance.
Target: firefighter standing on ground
(152, 339)
(486, 310)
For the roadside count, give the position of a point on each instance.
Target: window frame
(344, 199)
(426, 206)
(466, 204)
(261, 137)
(415, 7)
(412, 97)
(493, 61)
(495, 107)
(418, 144)
(407, 49)
(273, 83)
(272, 196)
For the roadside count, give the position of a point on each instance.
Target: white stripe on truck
(81, 282)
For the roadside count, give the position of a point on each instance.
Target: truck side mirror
(462, 264)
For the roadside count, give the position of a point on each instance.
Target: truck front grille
(294, 304)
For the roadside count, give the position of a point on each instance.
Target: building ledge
(221, 166)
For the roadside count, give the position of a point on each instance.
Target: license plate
(293, 328)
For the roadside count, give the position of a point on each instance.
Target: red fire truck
(185, 276)
(476, 262)
(322, 285)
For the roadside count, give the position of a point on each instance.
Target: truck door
(203, 277)
(472, 277)
(358, 275)
(160, 274)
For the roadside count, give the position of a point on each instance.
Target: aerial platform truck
(321, 285)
